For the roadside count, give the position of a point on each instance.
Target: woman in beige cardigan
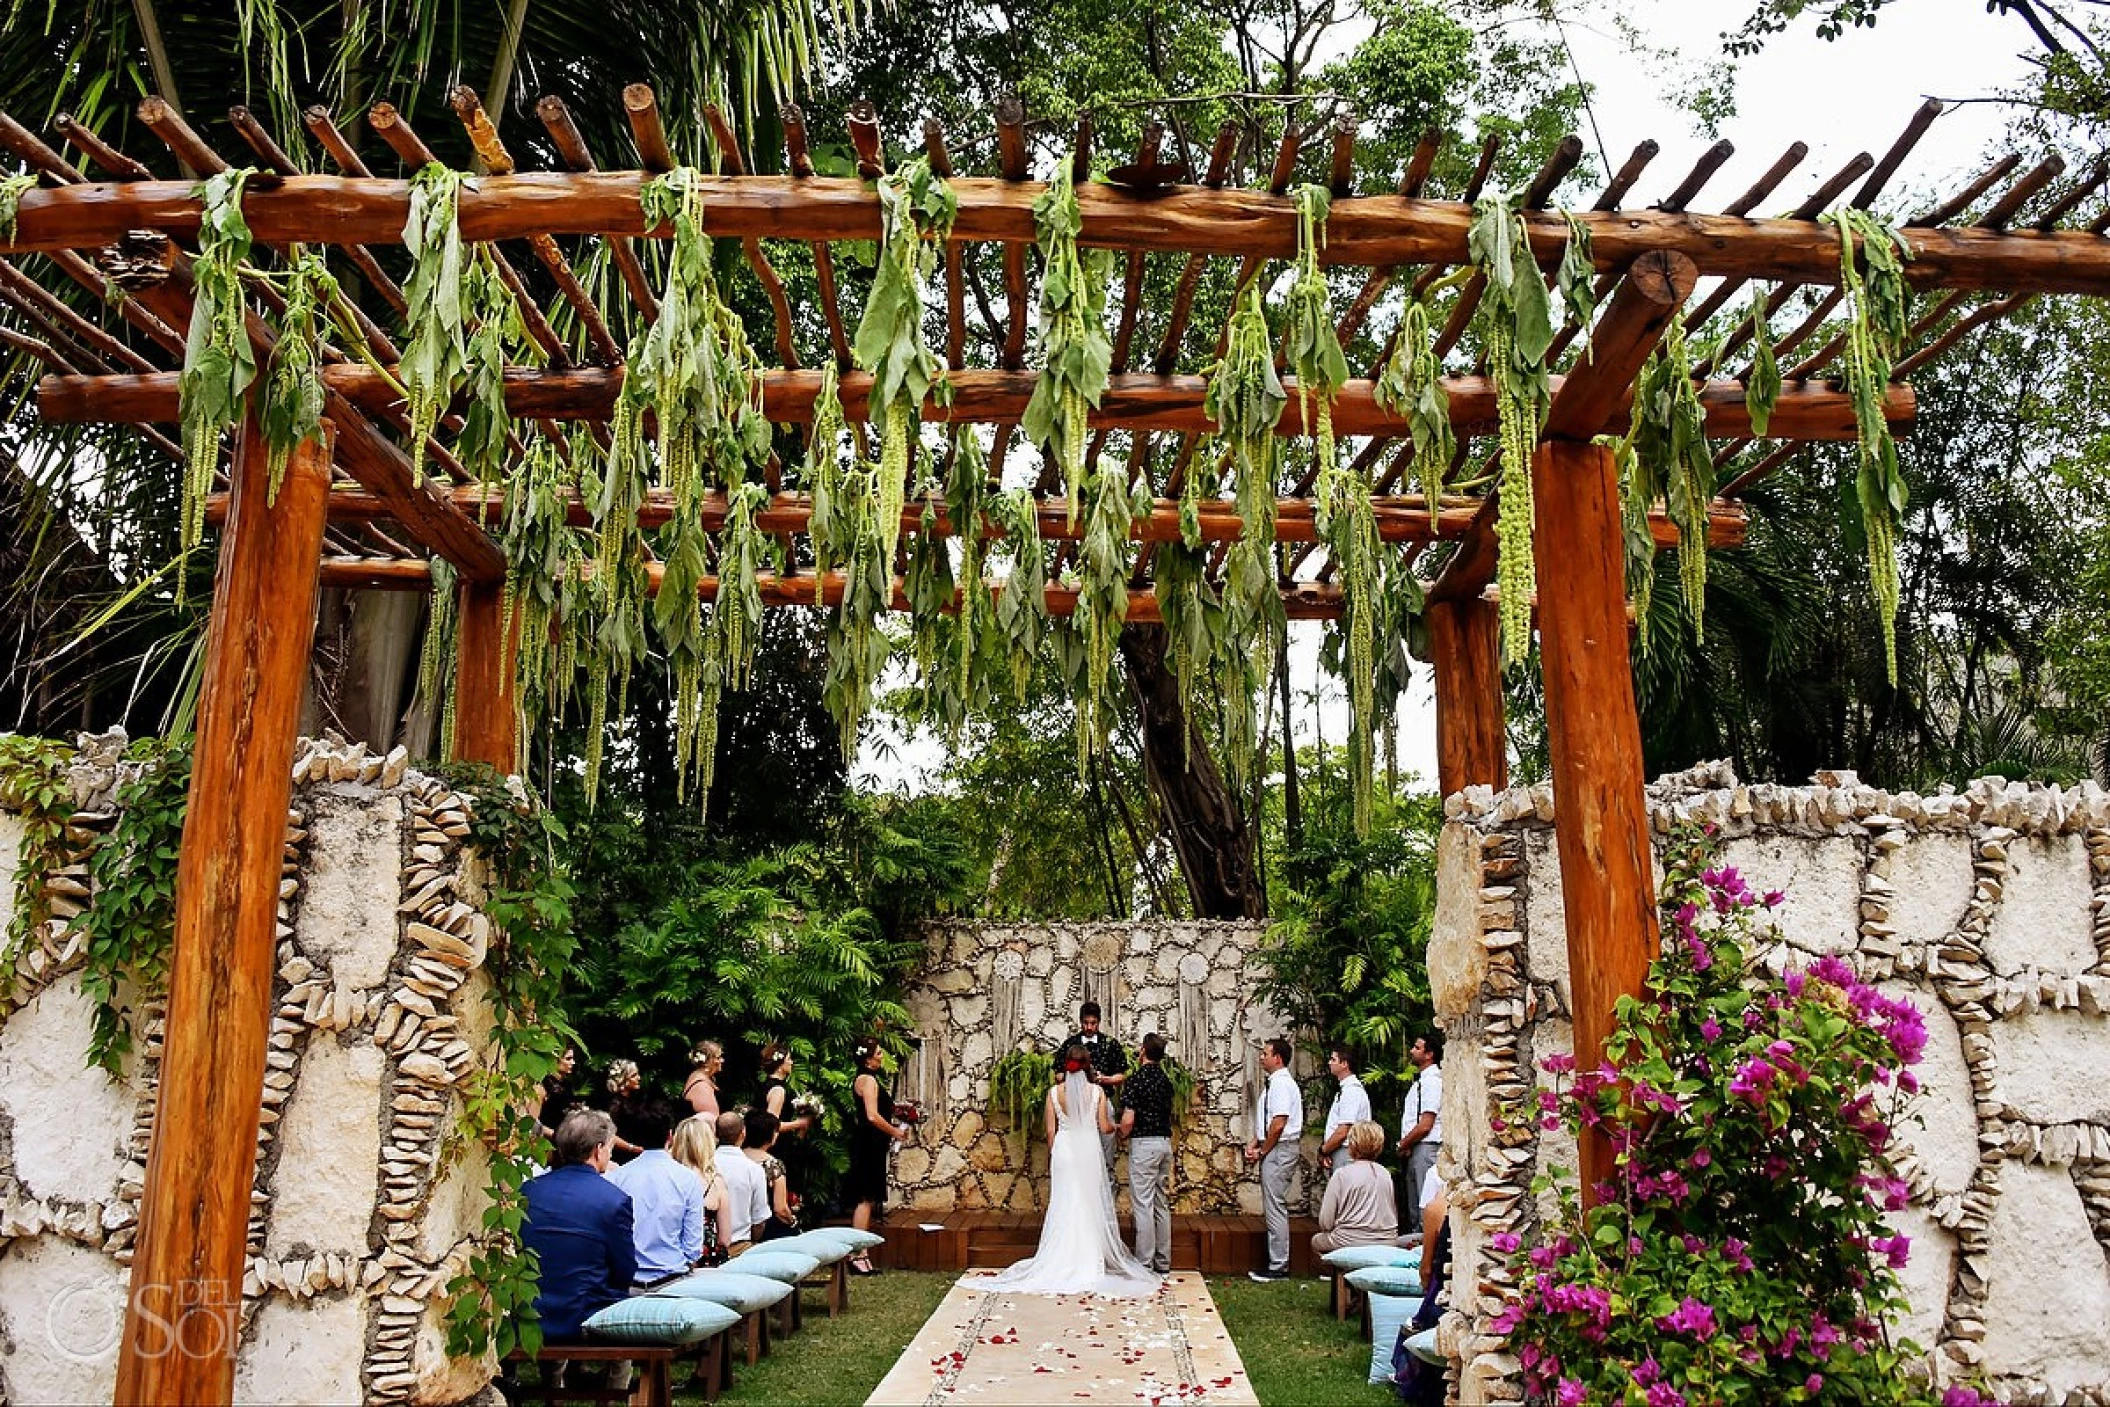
(1359, 1208)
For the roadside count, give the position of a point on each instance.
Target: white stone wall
(366, 1198)
(1990, 909)
(986, 989)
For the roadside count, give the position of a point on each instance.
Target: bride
(1081, 1251)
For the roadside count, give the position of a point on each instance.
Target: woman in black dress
(873, 1134)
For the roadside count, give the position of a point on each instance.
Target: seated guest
(1359, 1209)
(578, 1226)
(695, 1145)
(781, 1218)
(666, 1201)
(746, 1187)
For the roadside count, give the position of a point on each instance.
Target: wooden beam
(486, 707)
(1399, 519)
(1362, 230)
(1594, 737)
(1602, 385)
(1133, 401)
(1465, 646)
(180, 1325)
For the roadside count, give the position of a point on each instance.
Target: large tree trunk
(1210, 832)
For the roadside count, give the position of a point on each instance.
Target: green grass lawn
(1295, 1351)
(837, 1362)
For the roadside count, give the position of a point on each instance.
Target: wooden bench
(713, 1358)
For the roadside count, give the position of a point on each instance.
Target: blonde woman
(702, 1088)
(695, 1145)
(1359, 1208)
(625, 1092)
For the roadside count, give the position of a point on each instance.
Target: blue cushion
(1356, 1257)
(660, 1322)
(819, 1244)
(1388, 1314)
(1423, 1346)
(852, 1237)
(788, 1266)
(1388, 1280)
(744, 1294)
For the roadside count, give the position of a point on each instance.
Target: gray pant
(1420, 1158)
(1275, 1170)
(1149, 1163)
(1108, 1145)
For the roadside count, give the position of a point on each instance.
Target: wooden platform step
(952, 1241)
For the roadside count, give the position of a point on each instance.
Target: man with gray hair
(579, 1227)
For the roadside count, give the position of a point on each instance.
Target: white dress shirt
(748, 1187)
(1350, 1106)
(1426, 1097)
(1280, 1097)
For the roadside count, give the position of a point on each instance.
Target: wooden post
(1594, 733)
(1465, 644)
(486, 707)
(181, 1319)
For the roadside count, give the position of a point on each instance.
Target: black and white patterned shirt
(1149, 1097)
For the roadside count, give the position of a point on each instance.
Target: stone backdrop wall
(365, 1197)
(1990, 909)
(990, 988)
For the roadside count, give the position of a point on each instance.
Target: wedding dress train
(1081, 1251)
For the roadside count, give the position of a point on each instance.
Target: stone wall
(365, 1197)
(1990, 909)
(990, 988)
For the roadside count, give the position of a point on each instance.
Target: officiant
(1109, 1070)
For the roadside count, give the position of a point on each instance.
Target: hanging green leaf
(1762, 386)
(13, 187)
(1670, 439)
(832, 526)
(1411, 384)
(542, 556)
(436, 354)
(291, 412)
(1516, 329)
(1193, 621)
(219, 362)
(497, 336)
(966, 496)
(436, 661)
(1311, 349)
(1577, 275)
(1022, 607)
(1076, 354)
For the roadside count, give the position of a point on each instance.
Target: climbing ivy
(34, 785)
(129, 926)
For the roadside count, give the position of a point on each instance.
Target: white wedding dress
(1081, 1251)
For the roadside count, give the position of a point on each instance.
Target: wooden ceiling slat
(571, 148)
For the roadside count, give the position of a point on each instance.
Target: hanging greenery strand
(1762, 384)
(1193, 620)
(916, 207)
(1022, 608)
(542, 553)
(1670, 444)
(291, 413)
(219, 362)
(436, 355)
(1876, 326)
(1411, 384)
(832, 527)
(436, 662)
(496, 336)
(13, 187)
(1516, 328)
(1076, 353)
(966, 493)
(1576, 278)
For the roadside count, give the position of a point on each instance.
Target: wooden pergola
(353, 513)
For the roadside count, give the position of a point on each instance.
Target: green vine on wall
(1018, 1085)
(528, 901)
(35, 785)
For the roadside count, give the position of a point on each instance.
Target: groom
(1146, 1122)
(1109, 1069)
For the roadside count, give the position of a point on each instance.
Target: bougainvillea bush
(1738, 1253)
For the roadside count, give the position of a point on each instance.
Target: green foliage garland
(1076, 353)
(1876, 326)
(1762, 385)
(130, 925)
(1672, 461)
(1022, 609)
(1576, 278)
(1193, 620)
(528, 900)
(1411, 384)
(436, 355)
(1018, 1085)
(1516, 327)
(292, 405)
(1311, 349)
(436, 660)
(35, 786)
(857, 644)
(916, 208)
(928, 584)
(1103, 561)
(496, 336)
(832, 528)
(219, 363)
(966, 493)
(543, 561)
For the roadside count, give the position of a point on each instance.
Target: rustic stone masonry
(367, 1200)
(989, 988)
(1989, 908)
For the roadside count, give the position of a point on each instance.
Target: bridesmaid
(702, 1088)
(873, 1134)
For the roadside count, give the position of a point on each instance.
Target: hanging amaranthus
(1576, 278)
(966, 493)
(291, 412)
(218, 361)
(1762, 384)
(436, 355)
(1193, 621)
(1411, 384)
(1076, 354)
(1516, 328)
(832, 527)
(1673, 461)
(916, 208)
(1022, 608)
(436, 660)
(541, 555)
(928, 585)
(857, 646)
(1103, 560)
(1311, 348)
(496, 336)
(616, 621)
(1876, 325)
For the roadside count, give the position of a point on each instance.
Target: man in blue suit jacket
(578, 1226)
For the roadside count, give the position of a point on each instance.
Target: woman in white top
(1081, 1251)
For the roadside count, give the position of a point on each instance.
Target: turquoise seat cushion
(1357, 1257)
(1388, 1314)
(852, 1237)
(788, 1266)
(660, 1322)
(1388, 1280)
(819, 1244)
(744, 1294)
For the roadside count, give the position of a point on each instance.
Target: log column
(1465, 645)
(486, 708)
(181, 1320)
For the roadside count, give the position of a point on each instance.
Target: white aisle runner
(979, 1346)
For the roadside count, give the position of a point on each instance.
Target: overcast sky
(1849, 95)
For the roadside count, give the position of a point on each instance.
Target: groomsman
(1278, 1125)
(1350, 1107)
(1109, 1070)
(1146, 1122)
(1421, 1123)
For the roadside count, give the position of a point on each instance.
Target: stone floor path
(980, 1346)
